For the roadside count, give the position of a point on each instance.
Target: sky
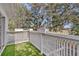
(28, 6)
(68, 25)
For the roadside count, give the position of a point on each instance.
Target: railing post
(67, 48)
(41, 43)
(64, 47)
(29, 36)
(77, 49)
(70, 47)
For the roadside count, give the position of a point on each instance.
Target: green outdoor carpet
(21, 49)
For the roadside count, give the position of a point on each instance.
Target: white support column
(6, 29)
(1, 33)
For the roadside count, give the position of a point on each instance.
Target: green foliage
(22, 17)
(75, 29)
(11, 25)
(59, 13)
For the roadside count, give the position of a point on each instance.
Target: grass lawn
(21, 49)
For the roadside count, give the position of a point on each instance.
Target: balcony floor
(21, 49)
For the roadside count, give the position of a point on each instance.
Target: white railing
(17, 37)
(48, 43)
(55, 44)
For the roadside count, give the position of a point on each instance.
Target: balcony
(49, 44)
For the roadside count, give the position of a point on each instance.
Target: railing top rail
(17, 31)
(71, 37)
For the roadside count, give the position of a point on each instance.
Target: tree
(23, 18)
(11, 25)
(56, 14)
